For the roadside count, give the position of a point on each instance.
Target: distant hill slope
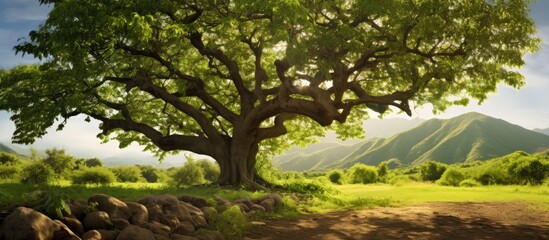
(544, 131)
(471, 136)
(4, 148)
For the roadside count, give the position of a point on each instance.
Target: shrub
(451, 177)
(9, 172)
(431, 170)
(307, 186)
(188, 174)
(529, 170)
(335, 176)
(8, 159)
(127, 174)
(60, 162)
(360, 173)
(469, 183)
(232, 223)
(37, 172)
(382, 169)
(96, 175)
(150, 173)
(211, 170)
(493, 175)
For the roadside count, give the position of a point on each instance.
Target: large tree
(234, 78)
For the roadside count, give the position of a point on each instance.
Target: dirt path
(463, 221)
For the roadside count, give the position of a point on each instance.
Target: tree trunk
(237, 160)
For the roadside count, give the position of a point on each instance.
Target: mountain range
(468, 137)
(471, 136)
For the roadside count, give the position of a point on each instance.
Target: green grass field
(414, 193)
(349, 196)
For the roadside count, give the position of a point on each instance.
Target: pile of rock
(103, 217)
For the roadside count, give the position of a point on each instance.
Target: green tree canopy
(234, 78)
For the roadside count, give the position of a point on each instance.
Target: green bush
(188, 174)
(127, 174)
(150, 173)
(451, 177)
(469, 183)
(307, 186)
(431, 170)
(382, 169)
(232, 223)
(37, 172)
(360, 173)
(211, 170)
(95, 175)
(529, 170)
(335, 176)
(491, 175)
(9, 172)
(60, 162)
(8, 159)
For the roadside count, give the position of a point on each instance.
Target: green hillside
(4, 148)
(468, 137)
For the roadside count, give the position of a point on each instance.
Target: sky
(526, 107)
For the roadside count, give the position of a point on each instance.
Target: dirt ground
(462, 220)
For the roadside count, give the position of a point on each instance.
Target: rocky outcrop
(163, 217)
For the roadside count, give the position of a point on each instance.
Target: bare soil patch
(441, 220)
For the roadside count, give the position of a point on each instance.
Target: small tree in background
(451, 177)
(335, 176)
(60, 162)
(150, 173)
(431, 170)
(360, 173)
(189, 174)
(382, 168)
(37, 172)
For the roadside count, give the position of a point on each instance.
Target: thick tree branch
(234, 71)
(142, 81)
(198, 83)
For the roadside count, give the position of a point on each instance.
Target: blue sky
(526, 107)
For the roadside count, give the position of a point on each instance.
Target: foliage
(232, 223)
(189, 174)
(399, 180)
(8, 159)
(360, 173)
(470, 183)
(233, 80)
(55, 205)
(95, 175)
(451, 177)
(127, 174)
(211, 170)
(150, 173)
(60, 162)
(431, 170)
(382, 168)
(335, 176)
(9, 172)
(37, 173)
(316, 186)
(529, 170)
(91, 162)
